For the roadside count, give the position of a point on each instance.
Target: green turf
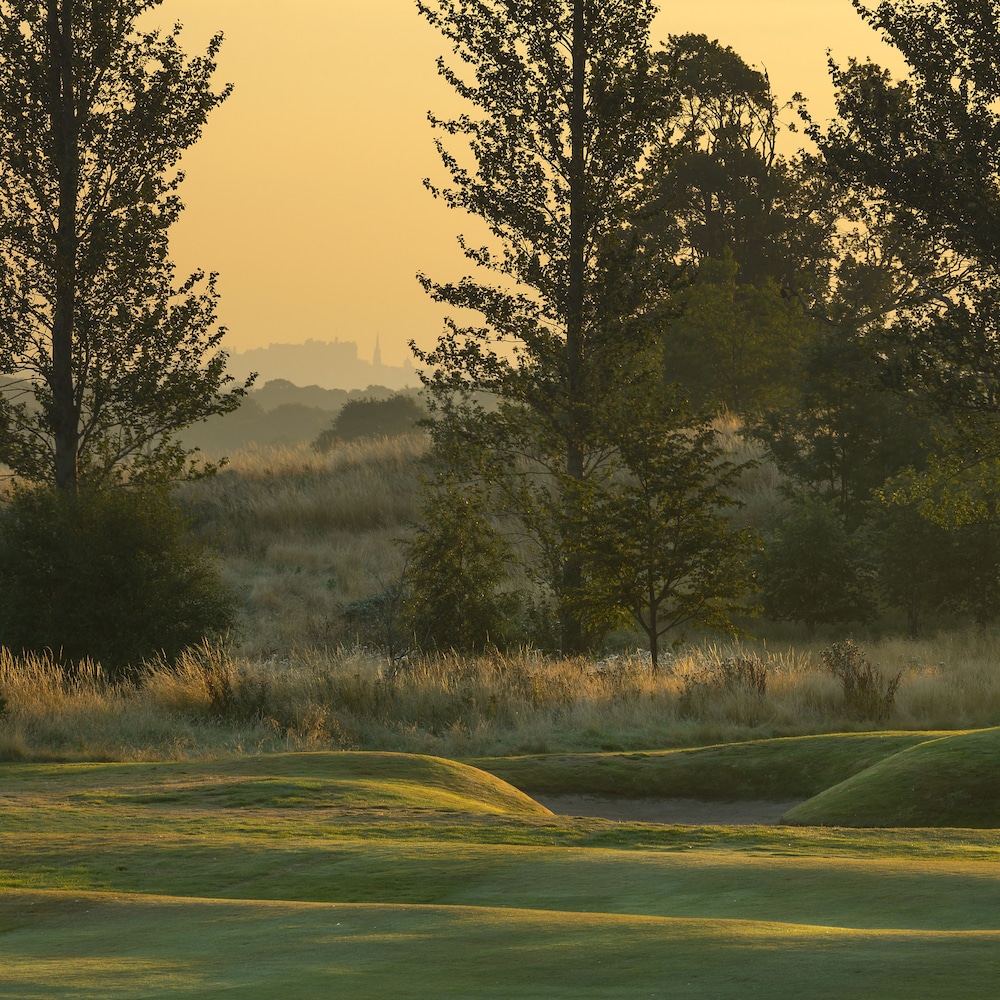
(93, 947)
(776, 769)
(950, 781)
(384, 875)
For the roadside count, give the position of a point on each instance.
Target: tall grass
(300, 534)
(215, 703)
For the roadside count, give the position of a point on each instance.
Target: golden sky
(305, 191)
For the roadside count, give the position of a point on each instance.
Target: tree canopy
(107, 352)
(568, 108)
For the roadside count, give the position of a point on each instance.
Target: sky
(305, 191)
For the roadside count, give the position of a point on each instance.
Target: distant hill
(278, 413)
(327, 364)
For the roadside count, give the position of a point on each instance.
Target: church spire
(377, 357)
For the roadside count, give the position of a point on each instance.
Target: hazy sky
(305, 191)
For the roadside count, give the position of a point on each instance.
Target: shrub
(360, 418)
(868, 693)
(377, 620)
(745, 673)
(456, 566)
(109, 576)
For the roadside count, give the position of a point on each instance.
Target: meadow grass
(215, 702)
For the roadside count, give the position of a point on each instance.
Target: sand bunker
(672, 812)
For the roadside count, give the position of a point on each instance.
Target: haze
(305, 192)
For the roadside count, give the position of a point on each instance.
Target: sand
(672, 812)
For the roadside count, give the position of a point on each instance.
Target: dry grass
(301, 534)
(215, 703)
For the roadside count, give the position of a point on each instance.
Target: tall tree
(926, 149)
(563, 114)
(107, 355)
(928, 144)
(753, 229)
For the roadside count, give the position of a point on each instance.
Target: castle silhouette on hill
(330, 364)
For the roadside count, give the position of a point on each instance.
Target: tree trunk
(653, 632)
(573, 639)
(64, 412)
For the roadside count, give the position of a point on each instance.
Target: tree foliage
(929, 143)
(112, 576)
(816, 572)
(561, 116)
(109, 351)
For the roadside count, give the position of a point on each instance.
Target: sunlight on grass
(253, 950)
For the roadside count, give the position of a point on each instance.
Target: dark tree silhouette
(108, 354)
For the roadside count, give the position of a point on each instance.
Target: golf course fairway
(396, 876)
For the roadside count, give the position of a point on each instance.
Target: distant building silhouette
(330, 364)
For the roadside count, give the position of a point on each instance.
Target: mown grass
(393, 876)
(762, 769)
(200, 949)
(956, 777)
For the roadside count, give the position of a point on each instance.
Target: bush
(109, 576)
(377, 620)
(362, 418)
(746, 673)
(868, 693)
(456, 568)
(816, 572)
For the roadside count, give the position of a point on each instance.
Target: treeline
(658, 257)
(280, 414)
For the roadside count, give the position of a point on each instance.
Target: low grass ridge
(123, 948)
(774, 769)
(951, 781)
(337, 781)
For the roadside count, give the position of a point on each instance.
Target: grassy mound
(948, 782)
(776, 769)
(343, 782)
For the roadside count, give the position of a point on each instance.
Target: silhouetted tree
(929, 144)
(563, 113)
(111, 353)
(367, 417)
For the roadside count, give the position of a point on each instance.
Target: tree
(658, 542)
(926, 149)
(563, 114)
(456, 565)
(715, 179)
(814, 571)
(928, 144)
(735, 346)
(843, 432)
(109, 353)
(398, 414)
